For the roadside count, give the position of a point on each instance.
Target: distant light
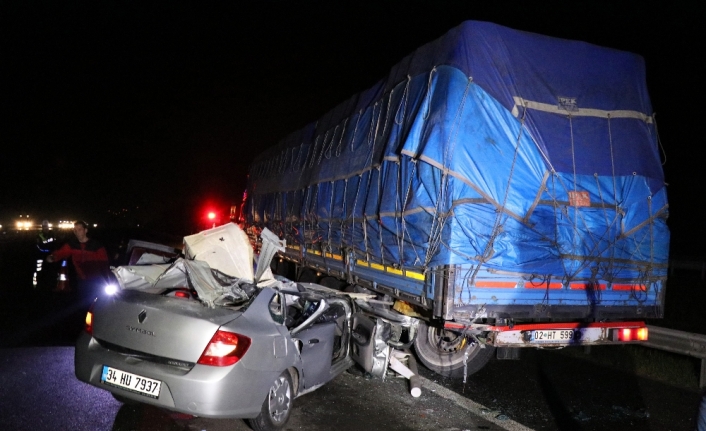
(211, 215)
(95, 224)
(24, 225)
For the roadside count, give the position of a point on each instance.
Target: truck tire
(443, 351)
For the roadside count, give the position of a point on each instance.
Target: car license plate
(555, 335)
(131, 382)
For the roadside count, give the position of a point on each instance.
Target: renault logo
(142, 316)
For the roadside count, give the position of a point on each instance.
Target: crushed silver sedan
(209, 335)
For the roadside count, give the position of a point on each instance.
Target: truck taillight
(224, 349)
(632, 334)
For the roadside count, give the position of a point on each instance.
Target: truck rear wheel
(443, 351)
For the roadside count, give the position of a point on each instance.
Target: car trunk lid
(167, 327)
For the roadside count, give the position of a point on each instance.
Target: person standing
(89, 259)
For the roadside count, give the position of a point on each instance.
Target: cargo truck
(503, 188)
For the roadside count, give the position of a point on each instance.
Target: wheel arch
(294, 374)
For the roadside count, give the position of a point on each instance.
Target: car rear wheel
(444, 352)
(277, 406)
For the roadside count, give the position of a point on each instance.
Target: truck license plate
(555, 335)
(132, 382)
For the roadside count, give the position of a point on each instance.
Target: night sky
(151, 112)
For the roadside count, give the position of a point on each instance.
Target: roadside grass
(666, 367)
(684, 304)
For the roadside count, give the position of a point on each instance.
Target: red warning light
(211, 215)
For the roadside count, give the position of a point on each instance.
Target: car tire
(444, 351)
(277, 405)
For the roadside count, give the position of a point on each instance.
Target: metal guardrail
(683, 343)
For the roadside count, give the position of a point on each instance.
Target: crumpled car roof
(218, 265)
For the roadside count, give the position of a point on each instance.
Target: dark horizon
(160, 110)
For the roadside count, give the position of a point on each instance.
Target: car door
(316, 346)
(369, 347)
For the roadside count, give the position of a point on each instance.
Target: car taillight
(225, 348)
(632, 334)
(89, 320)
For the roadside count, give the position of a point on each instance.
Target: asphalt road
(40, 393)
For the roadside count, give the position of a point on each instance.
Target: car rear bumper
(217, 392)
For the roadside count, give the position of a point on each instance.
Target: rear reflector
(637, 287)
(224, 349)
(497, 284)
(587, 286)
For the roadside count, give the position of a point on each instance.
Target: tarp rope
(497, 225)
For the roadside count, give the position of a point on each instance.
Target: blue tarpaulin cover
(507, 152)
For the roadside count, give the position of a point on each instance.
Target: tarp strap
(324, 148)
(313, 153)
(364, 222)
(402, 107)
(537, 198)
(612, 165)
(616, 216)
(497, 227)
(398, 206)
(387, 112)
(295, 163)
(330, 212)
(340, 140)
(609, 224)
(442, 213)
(652, 242)
(343, 213)
(379, 218)
(355, 130)
(578, 112)
(315, 220)
(573, 166)
(427, 98)
(355, 203)
(417, 259)
(659, 141)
